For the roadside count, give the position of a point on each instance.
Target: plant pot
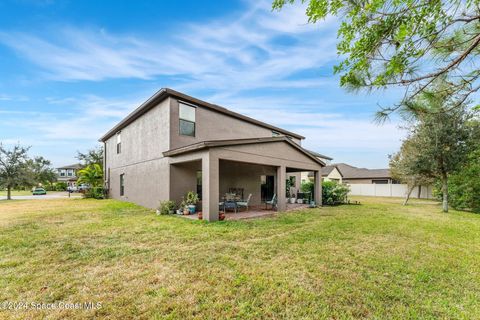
(192, 208)
(300, 201)
(292, 200)
(158, 212)
(221, 216)
(179, 211)
(312, 204)
(200, 215)
(186, 212)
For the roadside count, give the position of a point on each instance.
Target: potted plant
(191, 200)
(184, 207)
(221, 216)
(200, 215)
(299, 200)
(292, 195)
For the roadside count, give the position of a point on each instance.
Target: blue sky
(69, 70)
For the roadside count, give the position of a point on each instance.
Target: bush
(464, 186)
(334, 193)
(95, 193)
(61, 186)
(166, 206)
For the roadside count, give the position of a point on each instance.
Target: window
(187, 120)
(122, 185)
(119, 142)
(380, 181)
(70, 172)
(62, 173)
(275, 133)
(199, 185)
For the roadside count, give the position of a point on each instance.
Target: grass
(376, 260)
(16, 193)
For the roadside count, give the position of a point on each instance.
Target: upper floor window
(70, 172)
(119, 142)
(275, 133)
(187, 120)
(62, 173)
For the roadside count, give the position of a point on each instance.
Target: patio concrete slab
(253, 212)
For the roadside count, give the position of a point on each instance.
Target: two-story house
(68, 174)
(174, 143)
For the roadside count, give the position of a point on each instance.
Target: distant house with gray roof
(68, 174)
(354, 175)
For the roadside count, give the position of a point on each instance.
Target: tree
(92, 156)
(13, 167)
(464, 185)
(408, 43)
(402, 168)
(439, 139)
(91, 175)
(40, 171)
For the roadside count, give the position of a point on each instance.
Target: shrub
(61, 186)
(334, 193)
(464, 186)
(95, 193)
(166, 206)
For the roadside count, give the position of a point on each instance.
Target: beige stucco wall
(141, 161)
(212, 125)
(183, 178)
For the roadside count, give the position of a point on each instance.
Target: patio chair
(244, 204)
(230, 205)
(272, 202)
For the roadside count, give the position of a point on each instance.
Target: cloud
(8, 97)
(239, 54)
(272, 66)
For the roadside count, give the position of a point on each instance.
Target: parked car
(83, 187)
(72, 189)
(39, 191)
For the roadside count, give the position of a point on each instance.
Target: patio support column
(318, 188)
(210, 187)
(281, 188)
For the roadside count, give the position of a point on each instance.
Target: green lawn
(16, 193)
(377, 260)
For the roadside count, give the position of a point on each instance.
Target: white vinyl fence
(389, 190)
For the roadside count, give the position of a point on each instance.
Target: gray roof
(164, 93)
(327, 170)
(316, 154)
(351, 172)
(231, 142)
(72, 166)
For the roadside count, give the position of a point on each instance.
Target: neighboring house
(174, 143)
(377, 182)
(306, 176)
(68, 174)
(332, 173)
(354, 175)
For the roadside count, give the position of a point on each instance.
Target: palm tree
(91, 175)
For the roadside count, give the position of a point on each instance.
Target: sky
(70, 70)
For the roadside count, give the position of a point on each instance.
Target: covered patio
(256, 167)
